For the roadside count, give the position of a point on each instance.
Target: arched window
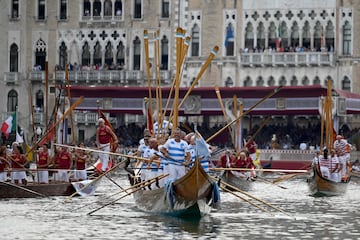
(63, 56)
(295, 35)
(305, 81)
(294, 81)
(39, 100)
(14, 58)
(248, 82)
(332, 81)
(137, 53)
(317, 81)
(282, 81)
(164, 53)
(229, 40)
(85, 57)
(229, 82)
(272, 35)
(12, 101)
(137, 9)
(107, 8)
(97, 8)
(271, 81)
(317, 36)
(249, 36)
(15, 9)
(63, 9)
(118, 8)
(97, 54)
(306, 36)
(260, 82)
(261, 36)
(283, 35)
(86, 8)
(40, 54)
(120, 55)
(108, 54)
(330, 37)
(346, 84)
(195, 41)
(41, 9)
(347, 38)
(165, 8)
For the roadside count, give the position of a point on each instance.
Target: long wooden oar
(149, 182)
(258, 178)
(273, 92)
(25, 189)
(287, 177)
(253, 197)
(260, 170)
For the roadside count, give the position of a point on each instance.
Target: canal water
(301, 216)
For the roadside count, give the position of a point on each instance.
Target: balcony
(12, 78)
(37, 76)
(90, 118)
(287, 59)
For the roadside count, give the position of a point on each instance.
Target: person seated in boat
(154, 165)
(175, 150)
(80, 163)
(4, 164)
(241, 161)
(18, 160)
(251, 146)
(316, 158)
(334, 167)
(43, 164)
(64, 165)
(226, 159)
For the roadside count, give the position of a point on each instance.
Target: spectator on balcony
(118, 12)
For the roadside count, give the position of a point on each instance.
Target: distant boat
(320, 186)
(192, 195)
(232, 179)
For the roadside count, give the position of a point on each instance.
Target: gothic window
(316, 81)
(306, 37)
(108, 54)
(63, 56)
(12, 101)
(317, 36)
(295, 35)
(261, 36)
(39, 99)
(346, 84)
(195, 41)
(330, 37)
(137, 53)
(118, 8)
(107, 8)
(164, 53)
(63, 9)
(229, 40)
(249, 36)
(97, 54)
(97, 8)
(329, 79)
(40, 54)
(14, 58)
(41, 10)
(260, 82)
(271, 81)
(272, 35)
(137, 8)
(294, 81)
(248, 82)
(282, 81)
(229, 82)
(283, 35)
(87, 8)
(165, 8)
(120, 55)
(85, 57)
(14, 9)
(347, 38)
(305, 81)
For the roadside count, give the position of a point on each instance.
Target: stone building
(261, 43)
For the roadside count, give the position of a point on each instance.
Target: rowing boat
(230, 177)
(320, 186)
(192, 195)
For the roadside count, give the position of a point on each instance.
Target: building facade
(101, 42)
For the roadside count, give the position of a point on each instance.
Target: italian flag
(9, 125)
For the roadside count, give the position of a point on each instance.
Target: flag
(229, 35)
(202, 148)
(9, 125)
(278, 39)
(19, 138)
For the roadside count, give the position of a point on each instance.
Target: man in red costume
(103, 136)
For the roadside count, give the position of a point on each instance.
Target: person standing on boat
(155, 162)
(18, 160)
(43, 164)
(334, 167)
(103, 136)
(324, 162)
(80, 163)
(175, 150)
(143, 151)
(3, 163)
(65, 164)
(340, 149)
(251, 147)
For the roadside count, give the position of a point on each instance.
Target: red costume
(65, 160)
(17, 161)
(223, 160)
(80, 160)
(104, 135)
(43, 159)
(251, 147)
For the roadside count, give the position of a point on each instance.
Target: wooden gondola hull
(192, 195)
(320, 186)
(236, 181)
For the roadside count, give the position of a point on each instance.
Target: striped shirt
(340, 146)
(176, 150)
(164, 127)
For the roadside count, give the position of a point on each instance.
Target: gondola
(192, 195)
(320, 186)
(242, 183)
